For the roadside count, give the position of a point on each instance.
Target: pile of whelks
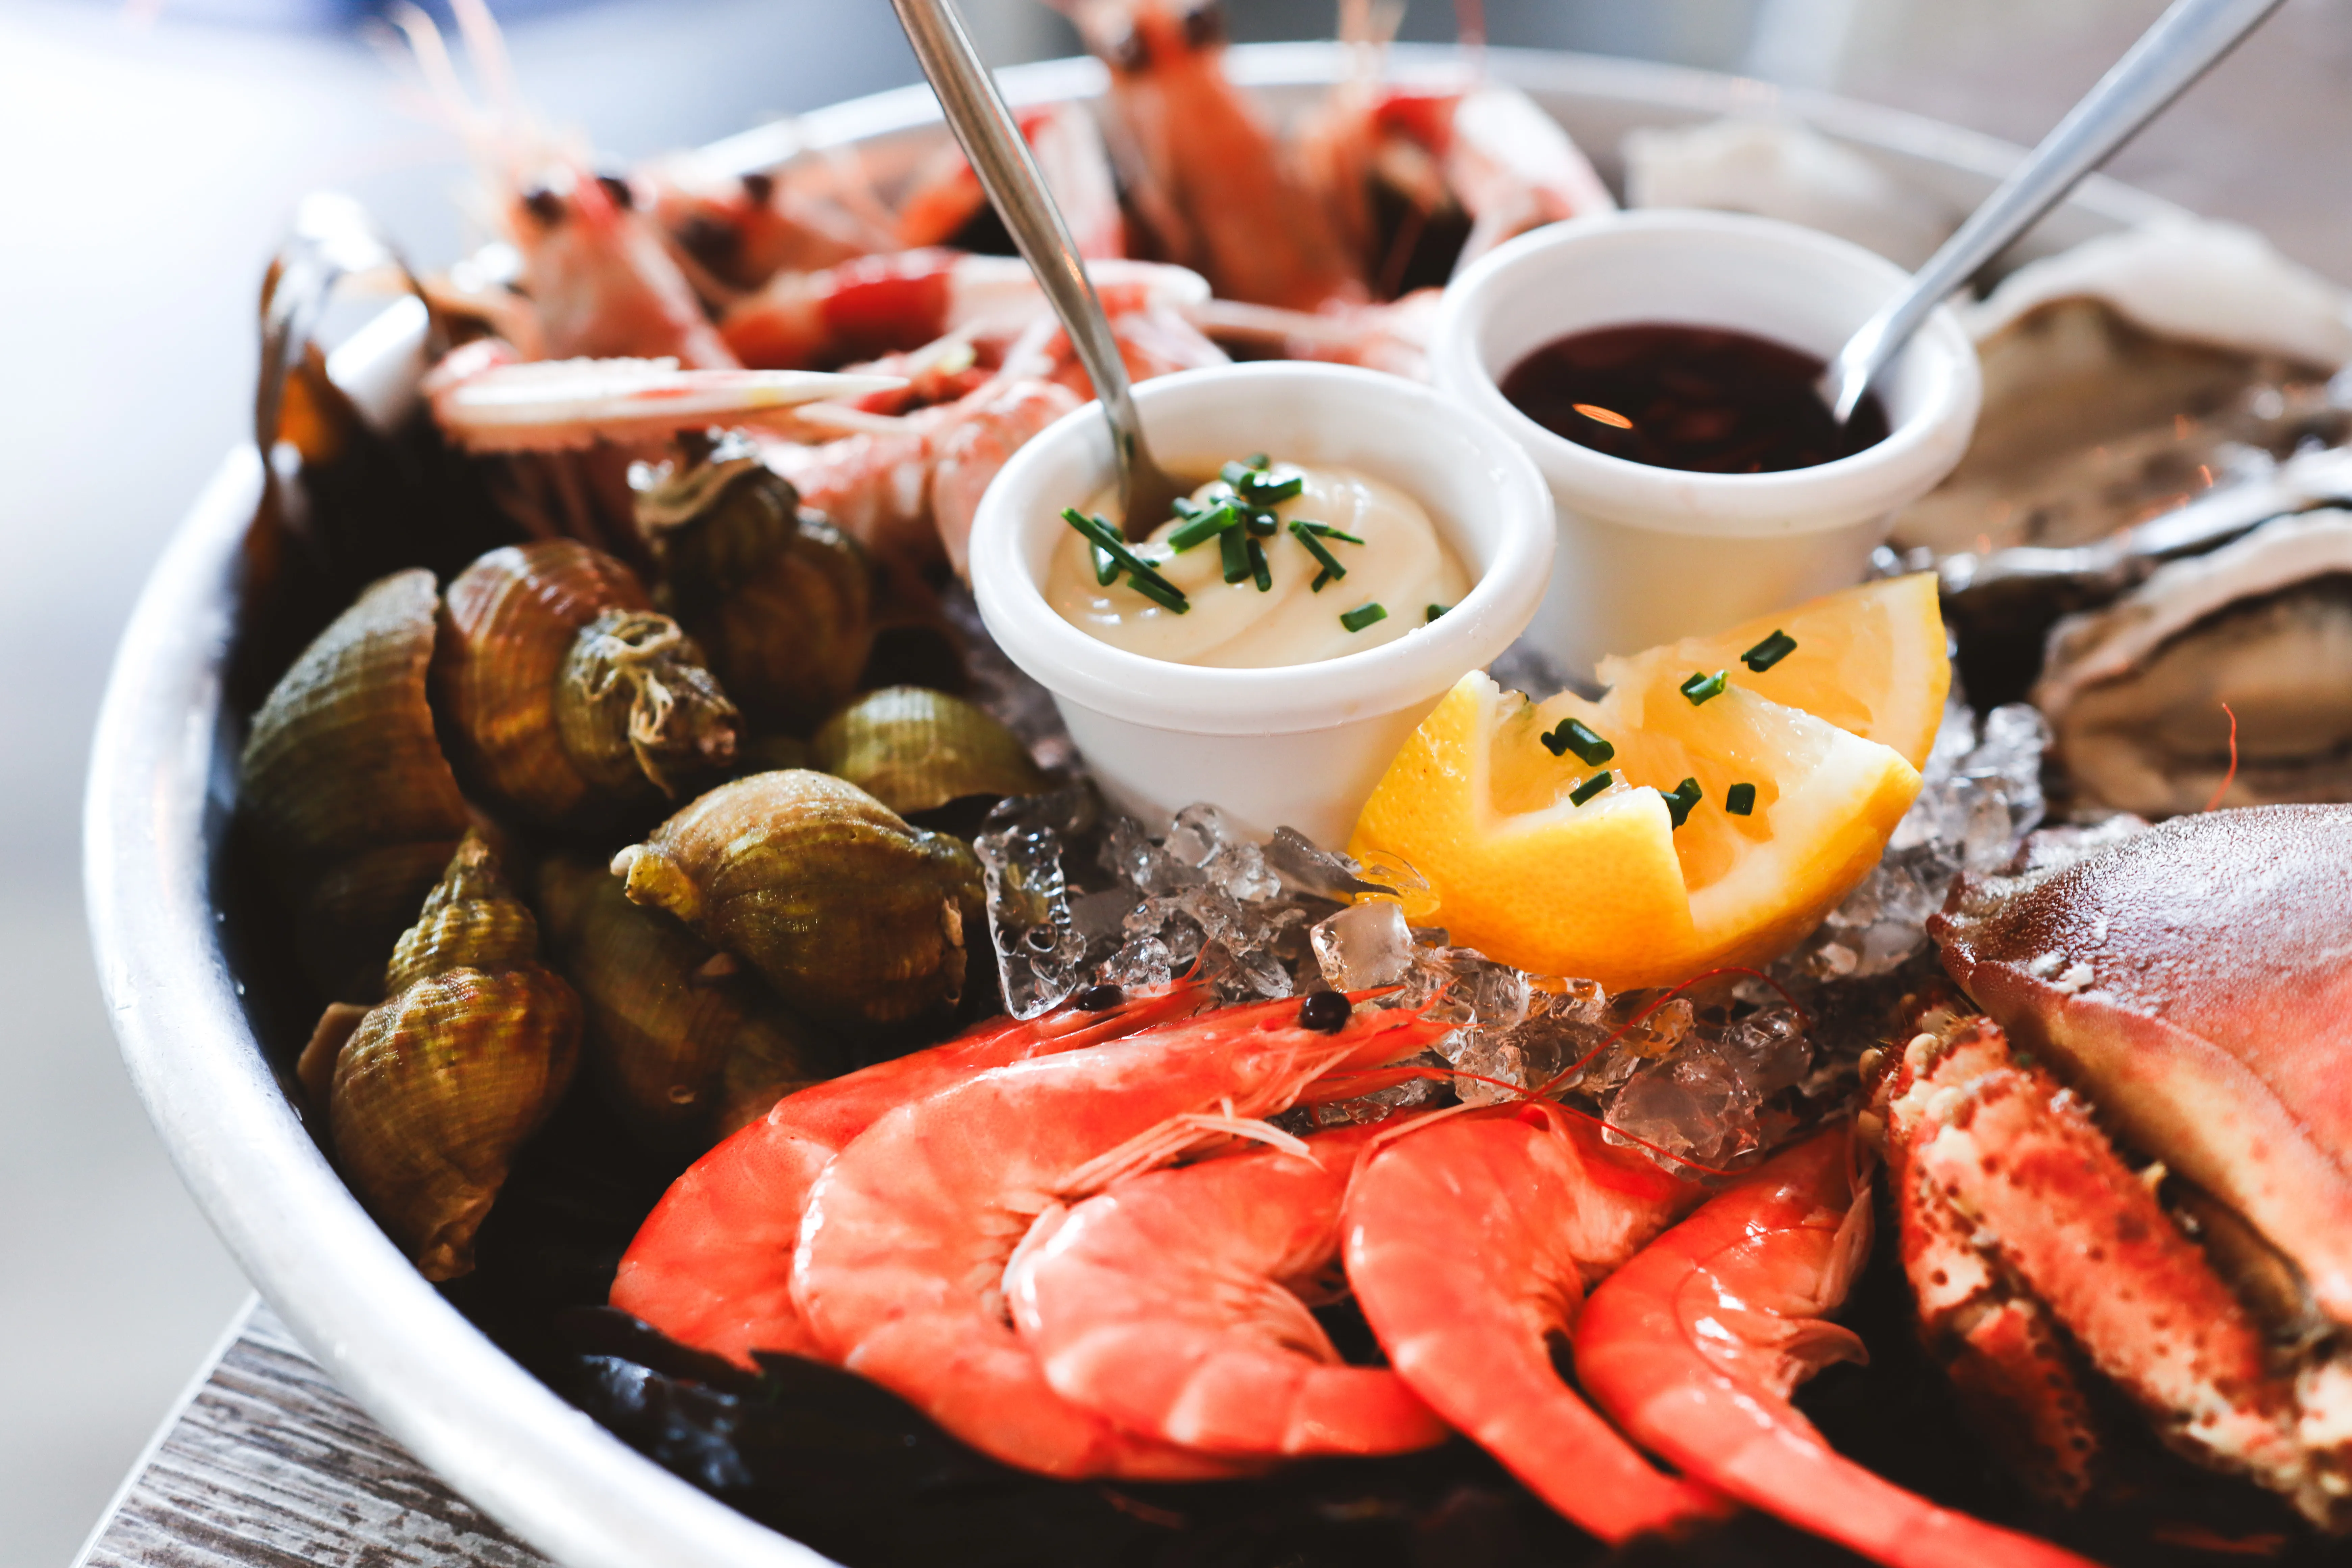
(2120, 1148)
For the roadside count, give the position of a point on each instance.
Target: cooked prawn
(906, 1237)
(1694, 1346)
(711, 1266)
(1175, 1303)
(1470, 1244)
(1068, 147)
(732, 230)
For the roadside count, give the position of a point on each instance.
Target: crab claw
(2196, 980)
(487, 401)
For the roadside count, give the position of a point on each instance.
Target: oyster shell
(436, 1087)
(1778, 168)
(853, 916)
(344, 789)
(2135, 692)
(781, 598)
(2130, 374)
(568, 698)
(915, 750)
(685, 1046)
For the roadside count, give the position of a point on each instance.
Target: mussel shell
(344, 788)
(853, 916)
(914, 750)
(436, 1089)
(684, 1049)
(780, 598)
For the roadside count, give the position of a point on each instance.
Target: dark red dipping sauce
(1705, 399)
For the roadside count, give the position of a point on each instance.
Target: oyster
(684, 1045)
(1780, 168)
(2135, 692)
(2129, 375)
(567, 697)
(781, 598)
(434, 1089)
(344, 789)
(853, 916)
(915, 750)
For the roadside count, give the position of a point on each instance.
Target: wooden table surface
(268, 1465)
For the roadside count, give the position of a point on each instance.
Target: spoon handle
(1000, 156)
(2186, 41)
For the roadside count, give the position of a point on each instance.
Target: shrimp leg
(711, 1266)
(1694, 1346)
(1169, 1303)
(906, 1236)
(1468, 1245)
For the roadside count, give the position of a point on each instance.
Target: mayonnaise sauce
(1403, 565)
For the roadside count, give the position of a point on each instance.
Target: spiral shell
(685, 1046)
(344, 789)
(567, 696)
(437, 1086)
(853, 916)
(915, 750)
(781, 598)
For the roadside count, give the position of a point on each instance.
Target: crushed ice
(1077, 896)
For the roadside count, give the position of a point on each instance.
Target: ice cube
(1305, 867)
(1040, 955)
(1364, 945)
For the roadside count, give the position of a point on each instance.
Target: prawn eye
(543, 203)
(1131, 51)
(1327, 1011)
(1204, 25)
(712, 241)
(759, 187)
(619, 189)
(1100, 998)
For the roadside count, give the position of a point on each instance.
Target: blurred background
(157, 148)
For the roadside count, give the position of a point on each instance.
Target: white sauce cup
(1650, 554)
(1298, 746)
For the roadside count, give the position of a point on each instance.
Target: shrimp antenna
(431, 54)
(488, 47)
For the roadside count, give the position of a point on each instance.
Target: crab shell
(2196, 981)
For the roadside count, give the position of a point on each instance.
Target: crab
(2135, 1160)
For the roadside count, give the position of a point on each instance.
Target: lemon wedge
(1533, 858)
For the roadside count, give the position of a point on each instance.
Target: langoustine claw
(1694, 1346)
(907, 1233)
(711, 1266)
(1470, 1244)
(1174, 1303)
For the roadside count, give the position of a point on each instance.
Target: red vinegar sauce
(1707, 400)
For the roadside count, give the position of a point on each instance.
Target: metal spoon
(2186, 41)
(1000, 156)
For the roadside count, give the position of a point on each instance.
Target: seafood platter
(1532, 977)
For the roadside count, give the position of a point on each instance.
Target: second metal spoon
(1000, 156)
(2186, 42)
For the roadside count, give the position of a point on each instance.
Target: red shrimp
(1175, 1304)
(1470, 1244)
(711, 1266)
(1068, 147)
(1203, 164)
(906, 1237)
(1394, 337)
(1694, 1346)
(734, 230)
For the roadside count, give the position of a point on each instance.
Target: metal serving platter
(162, 783)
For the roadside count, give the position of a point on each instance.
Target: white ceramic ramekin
(1650, 554)
(1300, 746)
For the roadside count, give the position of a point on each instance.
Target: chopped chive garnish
(1322, 580)
(1107, 540)
(1160, 593)
(1258, 568)
(1239, 474)
(1768, 652)
(1680, 799)
(1702, 685)
(1318, 549)
(1106, 569)
(1205, 524)
(1262, 522)
(1740, 798)
(1325, 530)
(1260, 461)
(1259, 490)
(1431, 612)
(1363, 616)
(1589, 788)
(1233, 552)
(1573, 735)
